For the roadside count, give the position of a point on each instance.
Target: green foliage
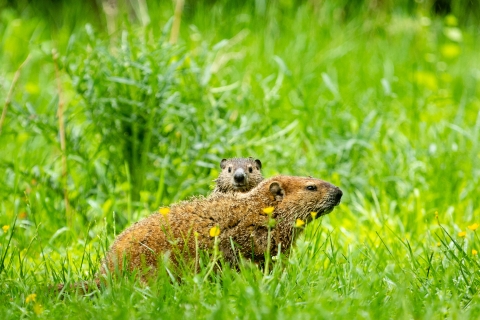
(132, 99)
(378, 98)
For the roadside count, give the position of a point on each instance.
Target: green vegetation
(380, 99)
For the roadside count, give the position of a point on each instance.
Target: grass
(382, 103)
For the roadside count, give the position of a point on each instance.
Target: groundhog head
(302, 196)
(239, 174)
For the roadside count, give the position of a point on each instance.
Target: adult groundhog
(240, 217)
(238, 175)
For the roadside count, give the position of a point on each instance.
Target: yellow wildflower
(5, 228)
(450, 50)
(31, 297)
(215, 231)
(299, 223)
(426, 79)
(451, 20)
(164, 211)
(313, 214)
(436, 215)
(268, 210)
(462, 234)
(474, 252)
(474, 226)
(438, 244)
(37, 308)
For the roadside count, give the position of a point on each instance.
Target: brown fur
(82, 287)
(238, 175)
(239, 216)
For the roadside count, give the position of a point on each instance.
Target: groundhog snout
(239, 176)
(337, 194)
(332, 193)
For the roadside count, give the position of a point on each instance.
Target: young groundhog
(239, 216)
(238, 175)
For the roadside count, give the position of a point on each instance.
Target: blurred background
(109, 113)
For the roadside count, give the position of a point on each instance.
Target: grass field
(105, 120)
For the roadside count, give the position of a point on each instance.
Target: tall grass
(379, 101)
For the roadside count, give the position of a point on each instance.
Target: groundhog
(238, 175)
(240, 217)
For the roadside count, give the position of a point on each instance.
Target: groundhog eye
(250, 170)
(229, 169)
(312, 188)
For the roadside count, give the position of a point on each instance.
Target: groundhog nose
(239, 176)
(338, 195)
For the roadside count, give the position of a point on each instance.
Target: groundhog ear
(277, 191)
(259, 164)
(222, 163)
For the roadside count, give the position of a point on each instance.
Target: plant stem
(8, 100)
(176, 21)
(215, 253)
(267, 254)
(63, 143)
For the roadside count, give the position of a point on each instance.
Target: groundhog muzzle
(242, 221)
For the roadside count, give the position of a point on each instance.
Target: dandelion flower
(450, 50)
(474, 252)
(5, 228)
(438, 244)
(37, 308)
(313, 214)
(215, 231)
(268, 210)
(462, 234)
(451, 20)
(426, 79)
(299, 223)
(164, 211)
(31, 297)
(474, 226)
